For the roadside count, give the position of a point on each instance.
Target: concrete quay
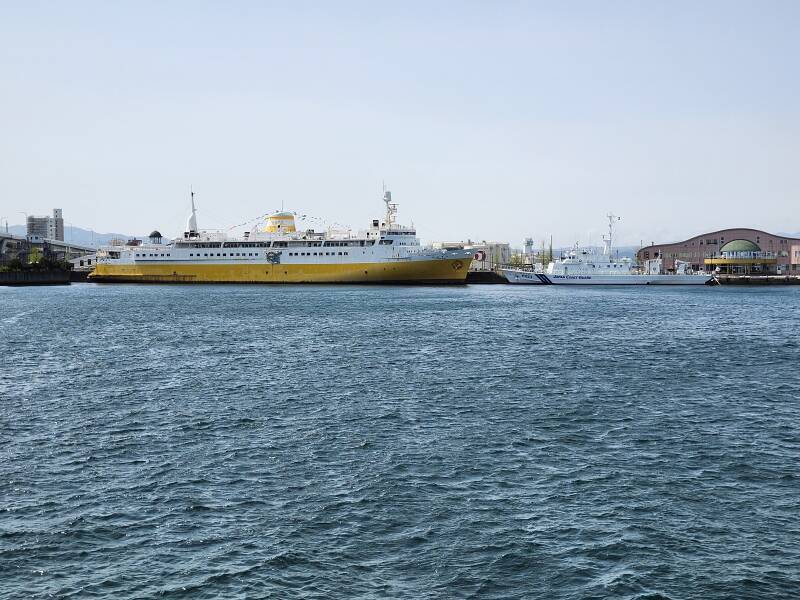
(34, 278)
(759, 279)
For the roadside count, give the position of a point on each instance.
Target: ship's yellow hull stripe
(416, 271)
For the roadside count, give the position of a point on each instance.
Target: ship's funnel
(281, 222)
(191, 222)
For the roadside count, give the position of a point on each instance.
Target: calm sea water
(369, 442)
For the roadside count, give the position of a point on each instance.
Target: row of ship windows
(328, 244)
(277, 244)
(226, 254)
(225, 245)
(143, 255)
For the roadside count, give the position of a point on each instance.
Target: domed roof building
(743, 257)
(737, 246)
(733, 251)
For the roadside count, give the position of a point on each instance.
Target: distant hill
(78, 235)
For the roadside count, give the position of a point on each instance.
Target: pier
(759, 279)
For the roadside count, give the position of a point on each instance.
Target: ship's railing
(748, 254)
(518, 267)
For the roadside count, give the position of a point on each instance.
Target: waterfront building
(85, 262)
(740, 251)
(529, 254)
(487, 256)
(51, 228)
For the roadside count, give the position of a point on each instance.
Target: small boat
(522, 276)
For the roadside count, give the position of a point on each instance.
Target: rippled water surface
(368, 442)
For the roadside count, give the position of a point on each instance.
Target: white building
(84, 263)
(51, 228)
(487, 256)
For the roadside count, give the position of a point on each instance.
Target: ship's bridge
(398, 235)
(398, 230)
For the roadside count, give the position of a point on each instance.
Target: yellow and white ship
(278, 253)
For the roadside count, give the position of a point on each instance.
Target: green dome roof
(740, 246)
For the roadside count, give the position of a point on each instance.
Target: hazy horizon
(487, 121)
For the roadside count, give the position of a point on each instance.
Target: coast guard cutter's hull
(528, 277)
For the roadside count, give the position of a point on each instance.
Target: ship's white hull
(529, 278)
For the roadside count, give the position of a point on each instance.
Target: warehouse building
(733, 251)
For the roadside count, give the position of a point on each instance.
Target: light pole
(68, 249)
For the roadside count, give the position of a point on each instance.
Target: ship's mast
(391, 208)
(609, 241)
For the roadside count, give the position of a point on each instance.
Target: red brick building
(735, 251)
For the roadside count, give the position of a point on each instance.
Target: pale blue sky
(488, 120)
